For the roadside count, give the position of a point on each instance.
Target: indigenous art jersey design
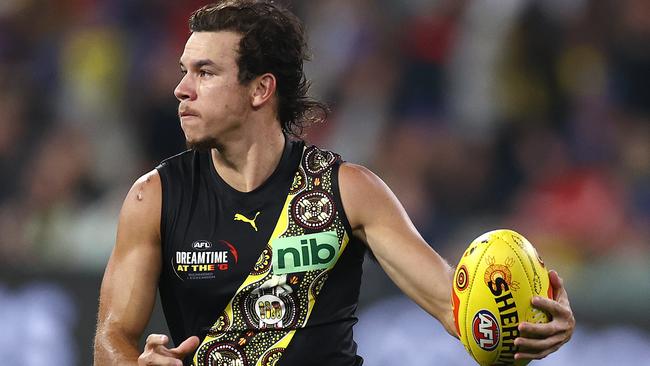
(275, 279)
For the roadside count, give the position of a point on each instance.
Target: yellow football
(493, 285)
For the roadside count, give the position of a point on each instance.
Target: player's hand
(537, 341)
(157, 354)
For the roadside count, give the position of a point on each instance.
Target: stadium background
(532, 115)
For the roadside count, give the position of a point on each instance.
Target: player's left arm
(537, 341)
(378, 218)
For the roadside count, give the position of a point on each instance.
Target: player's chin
(195, 139)
(200, 144)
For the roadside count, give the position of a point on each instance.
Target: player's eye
(204, 73)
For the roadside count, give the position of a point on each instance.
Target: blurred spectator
(44, 316)
(12, 129)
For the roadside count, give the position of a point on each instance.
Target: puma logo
(240, 217)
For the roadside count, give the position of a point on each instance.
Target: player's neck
(247, 161)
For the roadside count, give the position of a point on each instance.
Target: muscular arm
(378, 218)
(129, 286)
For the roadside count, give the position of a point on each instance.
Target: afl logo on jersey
(203, 259)
(201, 245)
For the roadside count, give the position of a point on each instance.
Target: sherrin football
(493, 285)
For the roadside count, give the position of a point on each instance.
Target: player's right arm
(128, 289)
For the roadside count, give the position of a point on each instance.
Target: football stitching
(530, 285)
(523, 265)
(469, 295)
(513, 249)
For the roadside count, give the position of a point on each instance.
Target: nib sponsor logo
(305, 253)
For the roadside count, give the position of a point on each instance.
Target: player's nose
(185, 90)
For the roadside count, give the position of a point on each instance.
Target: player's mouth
(186, 112)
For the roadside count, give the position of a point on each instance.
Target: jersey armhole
(344, 217)
(163, 206)
(338, 200)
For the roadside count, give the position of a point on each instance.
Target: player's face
(213, 103)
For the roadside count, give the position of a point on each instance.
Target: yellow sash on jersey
(278, 296)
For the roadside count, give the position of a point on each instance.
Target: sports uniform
(266, 276)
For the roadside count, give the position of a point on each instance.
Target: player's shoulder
(357, 177)
(178, 169)
(350, 175)
(317, 159)
(145, 190)
(142, 204)
(360, 187)
(363, 194)
(148, 181)
(178, 159)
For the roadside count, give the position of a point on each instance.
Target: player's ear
(263, 88)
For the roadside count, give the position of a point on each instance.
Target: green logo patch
(305, 252)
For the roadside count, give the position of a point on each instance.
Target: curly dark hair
(273, 41)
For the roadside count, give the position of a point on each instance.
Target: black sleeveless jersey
(269, 276)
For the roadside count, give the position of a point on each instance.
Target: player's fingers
(535, 355)
(154, 340)
(556, 280)
(539, 330)
(188, 345)
(560, 310)
(151, 358)
(560, 294)
(162, 350)
(550, 306)
(530, 345)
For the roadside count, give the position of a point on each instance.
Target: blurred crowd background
(531, 115)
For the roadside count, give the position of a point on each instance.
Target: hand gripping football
(493, 285)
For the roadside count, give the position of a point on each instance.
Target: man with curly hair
(254, 239)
